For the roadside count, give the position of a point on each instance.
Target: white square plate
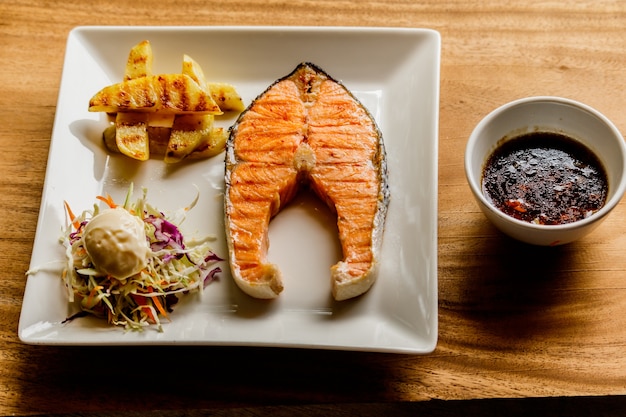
(393, 72)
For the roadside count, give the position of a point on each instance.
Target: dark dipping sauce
(545, 178)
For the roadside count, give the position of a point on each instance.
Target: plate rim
(432, 35)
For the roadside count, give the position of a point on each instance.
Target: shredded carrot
(92, 294)
(108, 200)
(143, 304)
(159, 306)
(157, 303)
(71, 215)
(149, 311)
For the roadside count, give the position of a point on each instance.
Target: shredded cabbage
(174, 268)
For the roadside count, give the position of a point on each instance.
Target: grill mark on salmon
(306, 129)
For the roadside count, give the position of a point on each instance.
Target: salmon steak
(305, 130)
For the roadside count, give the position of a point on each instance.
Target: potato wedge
(226, 97)
(224, 94)
(139, 62)
(161, 119)
(194, 70)
(169, 115)
(131, 131)
(159, 138)
(131, 136)
(213, 145)
(169, 93)
(187, 133)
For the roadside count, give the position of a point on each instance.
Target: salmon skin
(306, 129)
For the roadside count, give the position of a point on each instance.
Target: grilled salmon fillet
(305, 130)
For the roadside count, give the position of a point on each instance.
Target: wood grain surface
(514, 321)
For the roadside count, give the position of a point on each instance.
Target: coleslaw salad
(174, 267)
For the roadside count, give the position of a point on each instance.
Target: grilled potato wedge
(174, 93)
(169, 115)
(139, 62)
(188, 131)
(131, 135)
(194, 70)
(226, 96)
(159, 139)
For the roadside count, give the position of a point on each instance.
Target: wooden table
(514, 321)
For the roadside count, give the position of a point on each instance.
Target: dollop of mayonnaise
(115, 240)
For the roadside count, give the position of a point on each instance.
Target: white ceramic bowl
(552, 114)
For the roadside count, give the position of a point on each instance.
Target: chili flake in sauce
(545, 178)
